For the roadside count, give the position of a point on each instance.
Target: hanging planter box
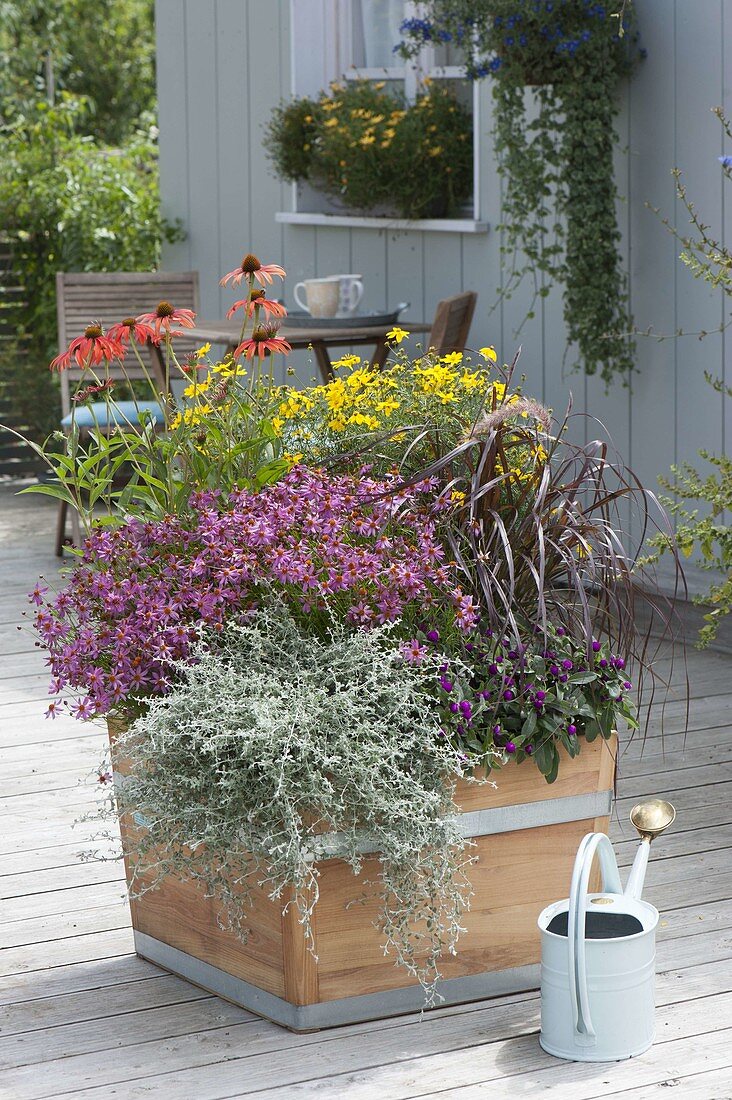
(526, 834)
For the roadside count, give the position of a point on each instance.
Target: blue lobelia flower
(726, 162)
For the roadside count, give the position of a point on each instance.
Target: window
(355, 39)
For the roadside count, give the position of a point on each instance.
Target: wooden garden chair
(451, 323)
(82, 298)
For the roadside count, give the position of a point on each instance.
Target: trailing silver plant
(277, 748)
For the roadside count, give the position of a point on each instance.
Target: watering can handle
(579, 993)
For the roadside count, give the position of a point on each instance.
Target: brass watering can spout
(650, 818)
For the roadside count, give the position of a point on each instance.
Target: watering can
(598, 953)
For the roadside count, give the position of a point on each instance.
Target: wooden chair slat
(451, 324)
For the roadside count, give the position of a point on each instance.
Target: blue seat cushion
(117, 414)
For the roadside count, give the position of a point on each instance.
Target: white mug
(321, 297)
(350, 295)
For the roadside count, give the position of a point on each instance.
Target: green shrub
(103, 51)
(68, 203)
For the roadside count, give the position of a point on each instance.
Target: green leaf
(582, 677)
(529, 725)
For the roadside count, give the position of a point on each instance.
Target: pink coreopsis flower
(136, 601)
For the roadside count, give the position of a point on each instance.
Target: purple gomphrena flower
(571, 729)
(508, 695)
(554, 670)
(540, 696)
(446, 684)
(493, 669)
(620, 663)
(469, 647)
(603, 663)
(510, 747)
(454, 707)
(528, 749)
(466, 710)
(567, 664)
(627, 685)
(563, 678)
(433, 636)
(596, 647)
(496, 731)
(561, 631)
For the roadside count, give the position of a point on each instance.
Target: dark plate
(297, 318)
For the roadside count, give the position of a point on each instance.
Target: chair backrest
(452, 321)
(109, 297)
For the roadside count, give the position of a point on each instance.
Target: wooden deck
(82, 1016)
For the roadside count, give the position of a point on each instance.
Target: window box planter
(525, 832)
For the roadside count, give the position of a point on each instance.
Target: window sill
(353, 221)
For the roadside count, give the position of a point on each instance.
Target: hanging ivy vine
(556, 66)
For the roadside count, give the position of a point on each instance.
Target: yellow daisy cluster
(361, 399)
(198, 392)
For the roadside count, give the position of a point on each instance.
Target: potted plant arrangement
(352, 142)
(554, 149)
(362, 648)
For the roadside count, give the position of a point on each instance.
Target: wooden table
(320, 339)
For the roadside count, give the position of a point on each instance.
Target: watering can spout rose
(598, 953)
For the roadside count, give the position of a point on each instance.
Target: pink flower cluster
(141, 592)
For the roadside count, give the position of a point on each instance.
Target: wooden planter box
(526, 834)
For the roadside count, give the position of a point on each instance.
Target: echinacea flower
(256, 301)
(89, 392)
(166, 315)
(132, 329)
(251, 268)
(89, 349)
(263, 340)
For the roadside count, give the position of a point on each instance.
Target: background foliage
(103, 51)
(709, 534)
(78, 168)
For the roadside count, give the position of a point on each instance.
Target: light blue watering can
(598, 953)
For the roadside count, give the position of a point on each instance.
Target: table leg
(323, 360)
(380, 353)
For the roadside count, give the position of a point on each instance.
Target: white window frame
(321, 43)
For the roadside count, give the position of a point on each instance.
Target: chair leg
(76, 529)
(61, 514)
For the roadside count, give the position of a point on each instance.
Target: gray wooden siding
(222, 66)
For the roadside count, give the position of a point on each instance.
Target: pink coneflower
(258, 300)
(166, 315)
(89, 349)
(82, 396)
(130, 329)
(253, 269)
(263, 340)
